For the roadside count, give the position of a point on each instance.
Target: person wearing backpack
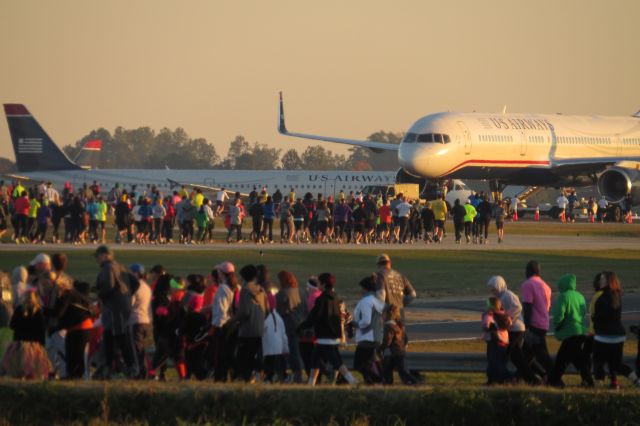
(275, 346)
(293, 311)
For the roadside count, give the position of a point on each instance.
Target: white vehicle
(39, 159)
(549, 150)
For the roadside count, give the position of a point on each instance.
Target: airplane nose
(413, 158)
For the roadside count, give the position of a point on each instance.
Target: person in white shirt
(51, 194)
(275, 345)
(221, 197)
(367, 318)
(562, 203)
(402, 213)
(222, 310)
(602, 208)
(206, 207)
(140, 321)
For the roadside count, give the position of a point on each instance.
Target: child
(394, 346)
(275, 345)
(26, 357)
(495, 324)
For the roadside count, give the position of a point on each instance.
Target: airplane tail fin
(89, 155)
(282, 128)
(33, 148)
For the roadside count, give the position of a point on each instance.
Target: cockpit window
(427, 137)
(433, 138)
(410, 138)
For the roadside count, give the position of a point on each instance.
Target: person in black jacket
(26, 357)
(485, 212)
(458, 212)
(114, 285)
(327, 322)
(610, 333)
(74, 313)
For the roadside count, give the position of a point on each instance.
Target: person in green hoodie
(568, 312)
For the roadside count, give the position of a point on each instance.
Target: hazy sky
(347, 68)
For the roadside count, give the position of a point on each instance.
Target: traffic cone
(515, 215)
(536, 215)
(629, 218)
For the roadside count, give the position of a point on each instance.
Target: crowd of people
(239, 325)
(591, 337)
(41, 214)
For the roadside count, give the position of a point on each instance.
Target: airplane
(543, 150)
(89, 155)
(39, 159)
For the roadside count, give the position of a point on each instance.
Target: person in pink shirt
(536, 302)
(307, 340)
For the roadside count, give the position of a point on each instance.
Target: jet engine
(616, 182)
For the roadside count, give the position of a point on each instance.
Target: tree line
(145, 148)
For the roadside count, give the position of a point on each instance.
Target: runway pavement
(470, 328)
(515, 242)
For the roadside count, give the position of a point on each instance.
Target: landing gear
(433, 188)
(496, 189)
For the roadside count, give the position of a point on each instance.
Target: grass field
(433, 273)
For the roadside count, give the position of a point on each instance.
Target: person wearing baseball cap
(391, 286)
(41, 263)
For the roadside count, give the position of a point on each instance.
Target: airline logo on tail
(29, 146)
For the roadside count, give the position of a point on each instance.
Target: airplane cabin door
(523, 143)
(466, 136)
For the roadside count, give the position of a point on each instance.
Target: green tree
(317, 158)
(7, 166)
(259, 157)
(386, 160)
(291, 160)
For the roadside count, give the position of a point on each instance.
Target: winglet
(281, 126)
(637, 114)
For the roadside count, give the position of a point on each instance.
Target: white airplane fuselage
(302, 181)
(527, 149)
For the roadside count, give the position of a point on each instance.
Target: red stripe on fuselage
(521, 162)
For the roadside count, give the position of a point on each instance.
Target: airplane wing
(374, 146)
(204, 188)
(11, 176)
